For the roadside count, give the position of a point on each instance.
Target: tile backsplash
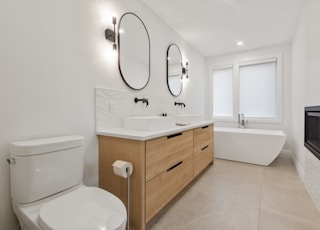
(113, 105)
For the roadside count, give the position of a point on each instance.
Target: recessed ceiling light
(239, 43)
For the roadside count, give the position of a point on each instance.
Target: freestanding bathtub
(253, 146)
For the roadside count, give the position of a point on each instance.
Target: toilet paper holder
(124, 169)
(121, 168)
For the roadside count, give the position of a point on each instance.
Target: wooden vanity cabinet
(169, 168)
(112, 149)
(162, 167)
(203, 148)
(164, 152)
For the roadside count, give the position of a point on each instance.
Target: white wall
(306, 92)
(258, 54)
(298, 95)
(312, 92)
(53, 55)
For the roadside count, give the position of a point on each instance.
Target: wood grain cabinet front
(164, 152)
(164, 187)
(203, 148)
(162, 167)
(112, 149)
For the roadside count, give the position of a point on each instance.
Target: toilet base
(25, 220)
(23, 227)
(29, 216)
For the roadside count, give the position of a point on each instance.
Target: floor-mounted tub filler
(253, 146)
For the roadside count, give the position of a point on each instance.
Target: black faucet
(180, 104)
(144, 100)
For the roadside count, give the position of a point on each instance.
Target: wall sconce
(185, 71)
(111, 34)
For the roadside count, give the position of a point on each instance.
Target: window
(223, 92)
(251, 88)
(258, 90)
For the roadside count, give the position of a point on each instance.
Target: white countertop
(147, 135)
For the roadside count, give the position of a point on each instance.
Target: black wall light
(111, 34)
(185, 70)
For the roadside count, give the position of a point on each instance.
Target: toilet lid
(85, 208)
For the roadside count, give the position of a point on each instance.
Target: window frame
(236, 89)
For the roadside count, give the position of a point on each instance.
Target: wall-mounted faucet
(144, 100)
(180, 104)
(241, 121)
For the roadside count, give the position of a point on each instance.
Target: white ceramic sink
(149, 123)
(188, 119)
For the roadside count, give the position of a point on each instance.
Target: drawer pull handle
(176, 165)
(174, 135)
(204, 147)
(204, 127)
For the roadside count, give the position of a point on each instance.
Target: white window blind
(258, 90)
(223, 92)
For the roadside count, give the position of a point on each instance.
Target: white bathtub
(253, 146)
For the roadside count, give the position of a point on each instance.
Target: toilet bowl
(54, 197)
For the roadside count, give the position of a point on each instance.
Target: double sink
(152, 123)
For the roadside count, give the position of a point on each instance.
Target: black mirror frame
(173, 44)
(119, 47)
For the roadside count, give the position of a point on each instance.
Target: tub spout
(241, 121)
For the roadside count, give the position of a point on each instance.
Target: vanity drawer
(202, 158)
(161, 189)
(162, 153)
(203, 136)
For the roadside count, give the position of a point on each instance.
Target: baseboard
(299, 168)
(285, 153)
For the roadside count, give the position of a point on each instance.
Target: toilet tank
(45, 167)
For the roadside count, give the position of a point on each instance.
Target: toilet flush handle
(11, 161)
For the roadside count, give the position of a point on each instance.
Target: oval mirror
(134, 51)
(174, 70)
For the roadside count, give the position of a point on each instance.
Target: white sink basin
(149, 123)
(188, 119)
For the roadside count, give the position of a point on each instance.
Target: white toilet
(47, 191)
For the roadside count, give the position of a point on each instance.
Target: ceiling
(214, 27)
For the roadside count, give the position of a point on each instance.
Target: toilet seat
(84, 208)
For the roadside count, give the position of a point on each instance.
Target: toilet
(47, 191)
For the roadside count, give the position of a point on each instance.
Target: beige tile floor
(237, 196)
